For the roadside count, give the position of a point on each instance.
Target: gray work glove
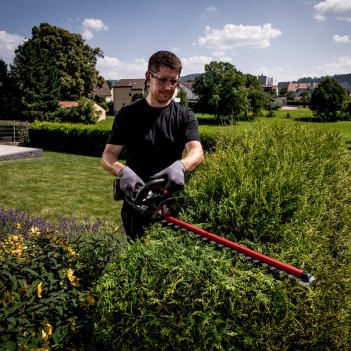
(174, 175)
(130, 182)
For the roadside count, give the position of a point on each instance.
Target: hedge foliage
(283, 190)
(80, 139)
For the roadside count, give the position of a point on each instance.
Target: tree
(305, 97)
(327, 99)
(256, 96)
(221, 90)
(137, 96)
(183, 97)
(74, 60)
(283, 92)
(38, 81)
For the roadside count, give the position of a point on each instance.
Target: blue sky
(283, 39)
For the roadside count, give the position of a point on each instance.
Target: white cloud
(341, 39)
(195, 64)
(211, 9)
(9, 43)
(91, 25)
(218, 53)
(341, 9)
(231, 36)
(270, 72)
(112, 68)
(341, 66)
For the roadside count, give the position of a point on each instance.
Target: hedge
(283, 190)
(80, 139)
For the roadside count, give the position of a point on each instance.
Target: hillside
(343, 79)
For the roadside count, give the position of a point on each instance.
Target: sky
(282, 39)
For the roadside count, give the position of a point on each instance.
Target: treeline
(343, 79)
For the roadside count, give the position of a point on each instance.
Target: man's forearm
(193, 157)
(111, 164)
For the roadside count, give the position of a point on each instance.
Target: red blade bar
(305, 277)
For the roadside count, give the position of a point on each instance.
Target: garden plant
(282, 189)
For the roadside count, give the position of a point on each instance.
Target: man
(154, 131)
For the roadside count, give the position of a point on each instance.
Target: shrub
(282, 190)
(174, 293)
(80, 139)
(48, 281)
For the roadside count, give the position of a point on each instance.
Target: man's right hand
(130, 181)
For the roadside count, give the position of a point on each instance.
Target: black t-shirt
(153, 137)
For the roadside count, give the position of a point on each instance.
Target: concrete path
(9, 152)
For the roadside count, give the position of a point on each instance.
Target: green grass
(207, 123)
(59, 185)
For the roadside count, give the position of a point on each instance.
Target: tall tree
(38, 81)
(9, 93)
(327, 99)
(221, 90)
(256, 95)
(74, 60)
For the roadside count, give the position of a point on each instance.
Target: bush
(80, 139)
(174, 293)
(281, 190)
(48, 281)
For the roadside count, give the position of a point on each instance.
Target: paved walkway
(10, 152)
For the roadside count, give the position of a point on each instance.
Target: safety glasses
(163, 80)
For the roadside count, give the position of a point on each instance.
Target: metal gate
(13, 131)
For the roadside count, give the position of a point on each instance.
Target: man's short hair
(164, 58)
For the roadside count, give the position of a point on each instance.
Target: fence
(13, 132)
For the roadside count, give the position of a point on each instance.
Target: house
(104, 92)
(124, 89)
(299, 88)
(269, 84)
(188, 88)
(99, 109)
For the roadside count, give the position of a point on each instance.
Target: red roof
(297, 86)
(131, 83)
(67, 104)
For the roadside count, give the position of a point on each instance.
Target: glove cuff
(125, 168)
(180, 164)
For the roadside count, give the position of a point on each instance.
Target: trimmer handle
(154, 186)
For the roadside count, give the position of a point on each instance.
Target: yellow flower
(41, 349)
(13, 238)
(44, 336)
(18, 226)
(34, 231)
(72, 278)
(75, 283)
(48, 231)
(70, 250)
(17, 252)
(48, 328)
(70, 275)
(40, 290)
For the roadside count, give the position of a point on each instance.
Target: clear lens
(163, 79)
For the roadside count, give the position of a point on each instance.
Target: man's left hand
(174, 175)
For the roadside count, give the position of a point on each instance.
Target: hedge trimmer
(156, 205)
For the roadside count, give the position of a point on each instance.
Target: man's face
(163, 84)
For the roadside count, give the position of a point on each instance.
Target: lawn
(59, 185)
(64, 185)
